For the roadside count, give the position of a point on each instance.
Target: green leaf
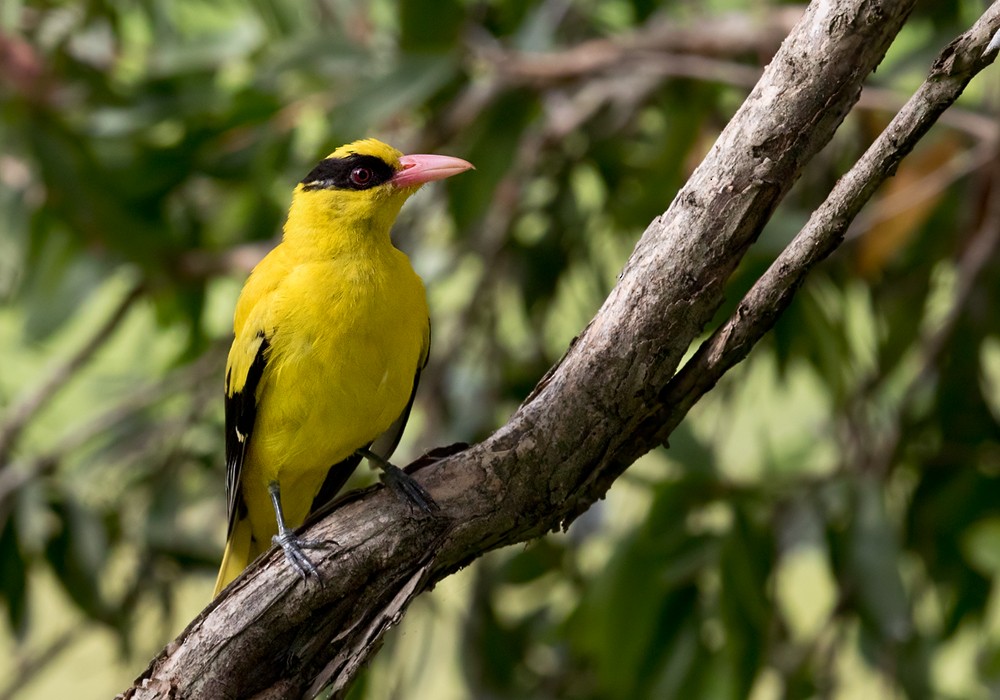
(981, 546)
(873, 565)
(429, 25)
(639, 608)
(746, 561)
(534, 561)
(77, 553)
(489, 144)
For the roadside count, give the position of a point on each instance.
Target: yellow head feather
(370, 147)
(326, 221)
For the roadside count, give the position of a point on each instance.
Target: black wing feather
(241, 413)
(336, 477)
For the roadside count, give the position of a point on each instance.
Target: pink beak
(420, 168)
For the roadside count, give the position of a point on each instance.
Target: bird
(331, 332)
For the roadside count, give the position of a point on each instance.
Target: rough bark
(606, 403)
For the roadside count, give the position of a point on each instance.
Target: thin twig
(24, 409)
(677, 56)
(205, 264)
(488, 246)
(15, 475)
(28, 667)
(930, 185)
(656, 42)
(979, 252)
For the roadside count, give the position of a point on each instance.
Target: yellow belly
(341, 370)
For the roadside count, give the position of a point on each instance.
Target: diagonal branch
(18, 473)
(28, 668)
(31, 403)
(978, 254)
(773, 292)
(599, 409)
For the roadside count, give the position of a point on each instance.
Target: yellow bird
(332, 331)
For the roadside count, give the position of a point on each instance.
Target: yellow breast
(346, 337)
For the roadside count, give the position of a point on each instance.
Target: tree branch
(978, 253)
(606, 403)
(957, 64)
(660, 43)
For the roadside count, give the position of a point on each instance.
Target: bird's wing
(247, 361)
(385, 443)
(383, 446)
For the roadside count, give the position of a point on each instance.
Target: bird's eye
(361, 177)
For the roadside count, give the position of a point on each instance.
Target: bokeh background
(826, 523)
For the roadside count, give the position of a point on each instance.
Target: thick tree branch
(604, 405)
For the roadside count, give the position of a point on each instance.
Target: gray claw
(292, 546)
(407, 487)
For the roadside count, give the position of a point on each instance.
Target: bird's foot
(404, 485)
(292, 545)
(407, 487)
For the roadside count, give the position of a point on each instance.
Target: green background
(825, 524)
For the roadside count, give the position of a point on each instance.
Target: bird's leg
(401, 482)
(290, 543)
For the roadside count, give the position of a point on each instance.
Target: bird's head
(362, 185)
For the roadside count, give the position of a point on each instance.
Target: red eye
(361, 177)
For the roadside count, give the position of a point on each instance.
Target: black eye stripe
(335, 173)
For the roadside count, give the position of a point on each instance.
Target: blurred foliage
(825, 524)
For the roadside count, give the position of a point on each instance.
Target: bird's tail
(239, 553)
